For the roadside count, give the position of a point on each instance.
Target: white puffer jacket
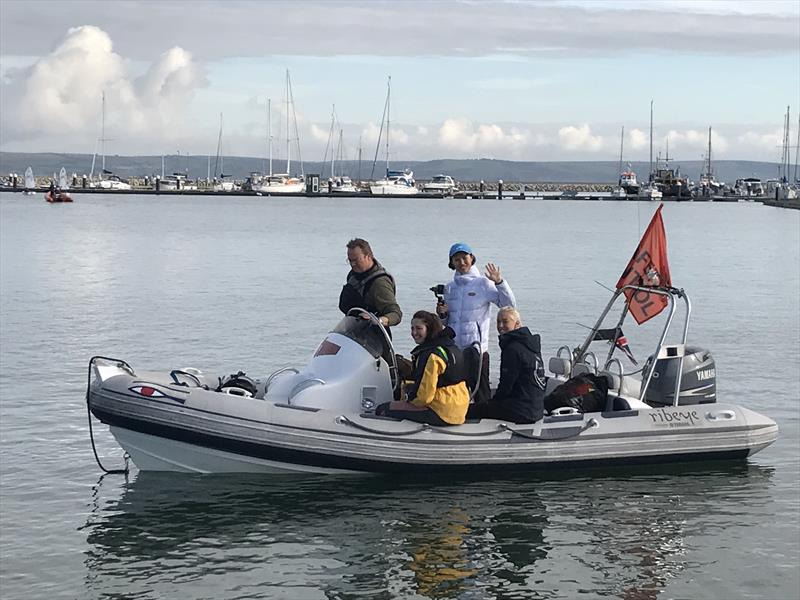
(469, 298)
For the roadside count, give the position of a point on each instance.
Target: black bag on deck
(586, 392)
(236, 384)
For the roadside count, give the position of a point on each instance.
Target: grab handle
(176, 372)
(275, 374)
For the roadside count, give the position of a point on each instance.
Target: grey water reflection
(379, 537)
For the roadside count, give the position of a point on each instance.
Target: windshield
(364, 332)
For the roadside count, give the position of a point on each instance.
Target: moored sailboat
(395, 183)
(30, 182)
(285, 183)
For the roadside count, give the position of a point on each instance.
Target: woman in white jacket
(467, 305)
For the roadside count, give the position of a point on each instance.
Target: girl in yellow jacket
(438, 394)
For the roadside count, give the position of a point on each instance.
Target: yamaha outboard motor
(698, 380)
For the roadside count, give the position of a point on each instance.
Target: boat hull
(393, 190)
(195, 430)
(292, 188)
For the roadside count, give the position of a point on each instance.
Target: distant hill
(489, 170)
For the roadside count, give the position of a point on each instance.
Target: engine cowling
(698, 379)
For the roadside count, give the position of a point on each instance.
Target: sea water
(247, 283)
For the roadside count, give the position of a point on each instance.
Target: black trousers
(427, 416)
(494, 410)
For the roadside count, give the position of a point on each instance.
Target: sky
(516, 80)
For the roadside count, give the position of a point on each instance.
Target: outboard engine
(698, 379)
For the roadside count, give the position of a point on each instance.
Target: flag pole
(617, 332)
(579, 352)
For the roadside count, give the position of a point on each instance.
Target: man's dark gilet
(355, 291)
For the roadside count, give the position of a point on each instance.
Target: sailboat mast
(103, 132)
(269, 133)
(340, 150)
(380, 133)
(797, 150)
(388, 119)
(219, 144)
(621, 146)
(330, 139)
(359, 160)
(787, 150)
(708, 156)
(288, 141)
(296, 131)
(651, 140)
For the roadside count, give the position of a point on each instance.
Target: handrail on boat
(275, 374)
(670, 293)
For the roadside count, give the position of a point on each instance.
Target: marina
(597, 192)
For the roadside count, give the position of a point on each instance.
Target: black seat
(614, 403)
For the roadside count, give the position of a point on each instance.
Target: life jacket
(354, 293)
(444, 347)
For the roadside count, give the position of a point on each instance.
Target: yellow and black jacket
(439, 378)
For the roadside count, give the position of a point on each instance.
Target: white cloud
(638, 139)
(319, 134)
(461, 136)
(768, 143)
(684, 142)
(579, 138)
(59, 96)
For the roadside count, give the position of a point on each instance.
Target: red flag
(648, 267)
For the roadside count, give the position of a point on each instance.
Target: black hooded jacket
(522, 376)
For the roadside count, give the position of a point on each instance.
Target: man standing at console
(369, 285)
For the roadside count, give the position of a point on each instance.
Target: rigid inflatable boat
(321, 418)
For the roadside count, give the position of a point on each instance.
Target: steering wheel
(392, 360)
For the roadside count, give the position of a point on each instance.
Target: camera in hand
(438, 291)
